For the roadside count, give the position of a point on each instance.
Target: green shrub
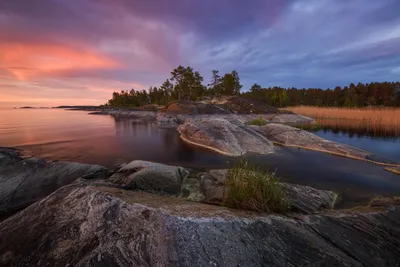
(259, 122)
(251, 188)
(310, 127)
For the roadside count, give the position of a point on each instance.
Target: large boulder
(290, 136)
(308, 200)
(302, 199)
(150, 176)
(24, 181)
(83, 225)
(229, 137)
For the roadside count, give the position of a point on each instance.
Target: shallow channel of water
(387, 147)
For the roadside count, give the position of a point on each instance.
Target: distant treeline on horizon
(186, 84)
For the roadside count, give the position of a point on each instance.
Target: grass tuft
(310, 127)
(259, 122)
(252, 188)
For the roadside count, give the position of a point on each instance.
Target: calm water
(56, 134)
(387, 147)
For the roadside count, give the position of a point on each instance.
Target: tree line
(184, 84)
(360, 95)
(187, 84)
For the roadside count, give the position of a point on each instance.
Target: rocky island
(151, 214)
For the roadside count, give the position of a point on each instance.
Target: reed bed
(370, 121)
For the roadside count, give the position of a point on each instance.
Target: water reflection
(388, 147)
(359, 133)
(76, 136)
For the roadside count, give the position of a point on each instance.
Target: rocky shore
(223, 125)
(150, 214)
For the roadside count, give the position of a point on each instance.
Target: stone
(302, 199)
(290, 136)
(229, 137)
(177, 112)
(140, 115)
(193, 108)
(393, 169)
(213, 186)
(9, 155)
(190, 189)
(150, 176)
(243, 105)
(25, 181)
(84, 225)
(308, 200)
(292, 119)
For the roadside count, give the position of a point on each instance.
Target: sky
(77, 52)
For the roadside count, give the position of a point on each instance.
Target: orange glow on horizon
(26, 61)
(39, 75)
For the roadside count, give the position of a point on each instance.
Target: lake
(387, 147)
(56, 134)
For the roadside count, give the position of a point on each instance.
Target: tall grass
(252, 188)
(372, 121)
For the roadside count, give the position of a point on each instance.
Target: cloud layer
(79, 51)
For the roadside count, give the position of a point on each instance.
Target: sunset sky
(55, 52)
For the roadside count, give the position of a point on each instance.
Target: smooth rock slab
(395, 170)
(229, 137)
(292, 119)
(24, 181)
(150, 176)
(81, 225)
(290, 136)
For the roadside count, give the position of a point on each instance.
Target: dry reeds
(371, 121)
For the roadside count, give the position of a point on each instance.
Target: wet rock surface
(84, 225)
(24, 181)
(290, 136)
(230, 137)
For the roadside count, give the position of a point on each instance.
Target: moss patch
(259, 122)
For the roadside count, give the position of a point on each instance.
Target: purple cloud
(98, 46)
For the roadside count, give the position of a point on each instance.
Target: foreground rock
(302, 199)
(83, 225)
(208, 187)
(229, 137)
(24, 181)
(290, 136)
(150, 176)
